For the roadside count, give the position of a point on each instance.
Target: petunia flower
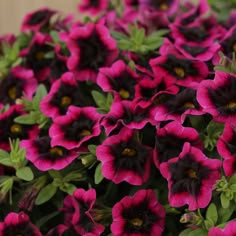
(217, 97)
(89, 43)
(178, 107)
(77, 212)
(37, 20)
(229, 229)
(191, 178)
(179, 69)
(18, 224)
(19, 82)
(126, 114)
(140, 214)
(124, 158)
(64, 92)
(93, 7)
(174, 135)
(118, 79)
(226, 147)
(13, 130)
(76, 127)
(45, 157)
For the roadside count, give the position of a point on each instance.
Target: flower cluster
(122, 124)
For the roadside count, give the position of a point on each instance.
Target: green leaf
(6, 161)
(232, 180)
(46, 194)
(186, 232)
(198, 232)
(40, 94)
(233, 187)
(92, 148)
(25, 173)
(224, 214)
(124, 44)
(139, 36)
(4, 154)
(99, 98)
(224, 200)
(68, 188)
(98, 177)
(27, 119)
(212, 214)
(3, 64)
(215, 129)
(118, 35)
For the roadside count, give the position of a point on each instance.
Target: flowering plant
(121, 124)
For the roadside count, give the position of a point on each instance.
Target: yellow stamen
(39, 56)
(179, 71)
(188, 105)
(16, 129)
(12, 92)
(85, 132)
(56, 151)
(65, 101)
(130, 152)
(192, 174)
(164, 6)
(231, 105)
(137, 222)
(124, 93)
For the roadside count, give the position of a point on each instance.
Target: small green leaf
(4, 154)
(214, 129)
(40, 94)
(198, 232)
(92, 148)
(6, 161)
(27, 119)
(118, 35)
(46, 194)
(186, 232)
(25, 173)
(211, 213)
(232, 180)
(233, 187)
(224, 200)
(124, 44)
(98, 177)
(68, 188)
(224, 214)
(99, 98)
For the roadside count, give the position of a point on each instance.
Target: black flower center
(194, 34)
(38, 17)
(194, 50)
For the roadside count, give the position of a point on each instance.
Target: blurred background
(13, 11)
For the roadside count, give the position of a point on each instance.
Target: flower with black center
(19, 82)
(151, 91)
(77, 209)
(94, 7)
(125, 158)
(140, 214)
(218, 98)
(174, 135)
(17, 224)
(45, 157)
(179, 69)
(37, 20)
(75, 128)
(65, 92)
(35, 55)
(191, 178)
(226, 147)
(120, 80)
(168, 6)
(178, 106)
(126, 114)
(13, 130)
(91, 47)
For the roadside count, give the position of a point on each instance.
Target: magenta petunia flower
(91, 47)
(76, 127)
(77, 212)
(13, 130)
(45, 157)
(140, 214)
(36, 20)
(226, 147)
(35, 53)
(168, 6)
(191, 178)
(18, 224)
(218, 98)
(120, 80)
(229, 229)
(126, 114)
(182, 71)
(94, 7)
(152, 91)
(18, 82)
(63, 93)
(178, 107)
(124, 158)
(174, 135)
